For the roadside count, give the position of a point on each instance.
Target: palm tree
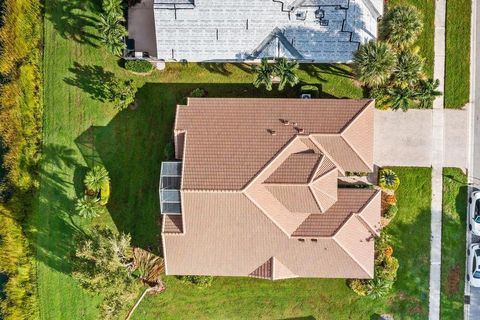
(89, 207)
(401, 26)
(263, 75)
(426, 92)
(409, 69)
(388, 179)
(112, 32)
(112, 6)
(286, 71)
(374, 63)
(95, 178)
(380, 288)
(400, 98)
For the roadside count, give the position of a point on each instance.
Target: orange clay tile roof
(263, 174)
(222, 134)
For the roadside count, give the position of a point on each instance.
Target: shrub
(169, 151)
(311, 90)
(89, 207)
(388, 269)
(362, 287)
(380, 288)
(105, 193)
(388, 179)
(388, 251)
(391, 211)
(200, 281)
(139, 66)
(96, 178)
(198, 93)
(390, 199)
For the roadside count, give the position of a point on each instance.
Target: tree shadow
(94, 80)
(213, 67)
(53, 241)
(317, 71)
(73, 19)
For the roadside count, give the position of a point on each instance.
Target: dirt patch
(453, 280)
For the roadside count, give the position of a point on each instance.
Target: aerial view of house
(239, 159)
(305, 30)
(260, 192)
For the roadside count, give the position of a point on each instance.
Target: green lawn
(425, 41)
(238, 298)
(453, 242)
(457, 64)
(80, 130)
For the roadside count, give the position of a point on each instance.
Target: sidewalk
(438, 122)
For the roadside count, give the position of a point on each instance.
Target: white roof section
(237, 30)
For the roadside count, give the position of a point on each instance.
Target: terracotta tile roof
(260, 178)
(297, 169)
(172, 224)
(264, 271)
(236, 133)
(350, 201)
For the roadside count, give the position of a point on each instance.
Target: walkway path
(438, 122)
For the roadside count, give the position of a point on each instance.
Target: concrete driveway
(405, 138)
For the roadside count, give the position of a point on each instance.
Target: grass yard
(453, 242)
(238, 298)
(425, 41)
(80, 130)
(457, 63)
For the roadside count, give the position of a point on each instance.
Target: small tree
(286, 71)
(401, 26)
(112, 6)
(263, 75)
(89, 207)
(374, 63)
(96, 178)
(123, 93)
(102, 264)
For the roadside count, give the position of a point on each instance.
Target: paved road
(473, 311)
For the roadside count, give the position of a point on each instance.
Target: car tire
(468, 252)
(470, 200)
(468, 277)
(469, 227)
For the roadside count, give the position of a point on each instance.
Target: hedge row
(20, 133)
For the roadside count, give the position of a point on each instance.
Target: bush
(198, 93)
(362, 287)
(169, 151)
(391, 211)
(200, 281)
(388, 179)
(139, 66)
(310, 89)
(390, 199)
(105, 193)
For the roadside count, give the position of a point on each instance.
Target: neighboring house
(242, 30)
(257, 192)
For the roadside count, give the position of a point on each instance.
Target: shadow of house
(73, 19)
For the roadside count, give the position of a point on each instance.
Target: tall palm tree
(426, 92)
(409, 69)
(95, 178)
(401, 26)
(401, 98)
(374, 63)
(263, 74)
(88, 207)
(286, 71)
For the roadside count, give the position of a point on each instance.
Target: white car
(475, 212)
(474, 265)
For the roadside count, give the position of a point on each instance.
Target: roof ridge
(368, 102)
